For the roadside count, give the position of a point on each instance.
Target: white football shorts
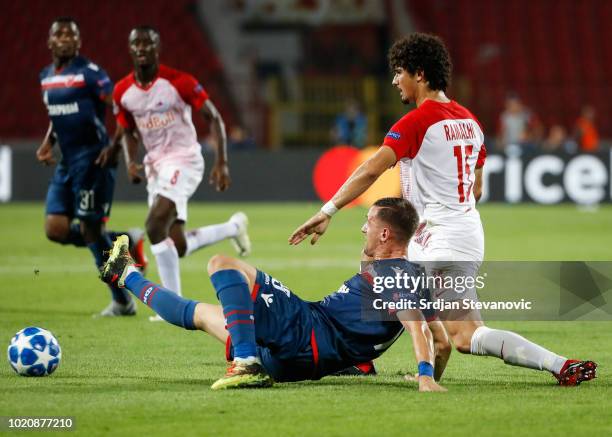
(454, 250)
(175, 179)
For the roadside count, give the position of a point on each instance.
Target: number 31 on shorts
(87, 200)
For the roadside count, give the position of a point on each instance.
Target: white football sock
(207, 235)
(514, 350)
(248, 360)
(130, 270)
(167, 259)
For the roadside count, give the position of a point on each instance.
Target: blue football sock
(97, 249)
(233, 293)
(170, 306)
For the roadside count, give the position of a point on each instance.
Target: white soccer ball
(34, 352)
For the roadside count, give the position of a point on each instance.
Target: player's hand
(44, 154)
(108, 157)
(220, 177)
(134, 172)
(427, 383)
(316, 225)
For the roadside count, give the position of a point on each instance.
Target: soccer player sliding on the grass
(439, 147)
(273, 335)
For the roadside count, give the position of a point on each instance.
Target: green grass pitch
(132, 377)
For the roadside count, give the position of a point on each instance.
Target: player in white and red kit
(154, 106)
(440, 149)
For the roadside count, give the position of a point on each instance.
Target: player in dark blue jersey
(76, 93)
(273, 335)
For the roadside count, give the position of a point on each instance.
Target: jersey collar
(150, 84)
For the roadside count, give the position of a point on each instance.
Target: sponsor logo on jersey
(394, 135)
(156, 121)
(65, 109)
(421, 236)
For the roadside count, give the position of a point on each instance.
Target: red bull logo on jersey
(156, 121)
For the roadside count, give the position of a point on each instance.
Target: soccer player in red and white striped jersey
(440, 149)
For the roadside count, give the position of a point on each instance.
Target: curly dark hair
(400, 214)
(424, 52)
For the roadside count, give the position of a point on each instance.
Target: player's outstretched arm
(219, 176)
(361, 179)
(315, 226)
(44, 153)
(130, 150)
(422, 343)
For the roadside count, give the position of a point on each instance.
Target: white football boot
(241, 242)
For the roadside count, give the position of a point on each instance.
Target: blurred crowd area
(313, 73)
(521, 127)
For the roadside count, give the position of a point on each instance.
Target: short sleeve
(482, 156)
(98, 81)
(393, 285)
(403, 138)
(123, 116)
(190, 90)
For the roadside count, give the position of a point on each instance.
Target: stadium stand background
(105, 24)
(554, 54)
(284, 69)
